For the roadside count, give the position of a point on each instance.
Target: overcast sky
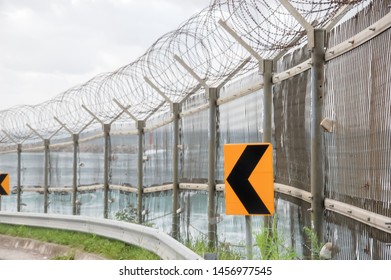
(49, 46)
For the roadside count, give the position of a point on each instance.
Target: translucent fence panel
(356, 241)
(240, 121)
(123, 160)
(32, 202)
(91, 173)
(158, 156)
(193, 221)
(231, 229)
(294, 224)
(195, 147)
(60, 167)
(60, 203)
(359, 148)
(60, 176)
(122, 205)
(362, 20)
(158, 210)
(7, 203)
(90, 203)
(32, 169)
(91, 163)
(292, 107)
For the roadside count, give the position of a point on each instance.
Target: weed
(68, 257)
(224, 251)
(272, 245)
(316, 246)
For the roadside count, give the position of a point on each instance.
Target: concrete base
(15, 248)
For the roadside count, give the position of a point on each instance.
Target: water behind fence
(144, 166)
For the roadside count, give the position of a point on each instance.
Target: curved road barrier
(148, 238)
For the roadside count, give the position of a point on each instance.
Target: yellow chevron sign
(249, 179)
(4, 184)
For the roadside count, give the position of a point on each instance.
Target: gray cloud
(50, 46)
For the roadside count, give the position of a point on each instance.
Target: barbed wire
(201, 42)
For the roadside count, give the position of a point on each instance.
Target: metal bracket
(149, 82)
(125, 109)
(40, 136)
(190, 71)
(240, 40)
(339, 15)
(301, 20)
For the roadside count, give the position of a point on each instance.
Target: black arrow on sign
(2, 190)
(238, 179)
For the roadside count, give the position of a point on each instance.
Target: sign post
(249, 182)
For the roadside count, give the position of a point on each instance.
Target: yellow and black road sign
(249, 179)
(4, 184)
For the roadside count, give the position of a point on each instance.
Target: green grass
(90, 243)
(272, 245)
(223, 251)
(316, 246)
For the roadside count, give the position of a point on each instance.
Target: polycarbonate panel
(60, 203)
(122, 205)
(32, 202)
(195, 147)
(90, 203)
(32, 169)
(157, 210)
(240, 121)
(123, 160)
(193, 219)
(358, 151)
(372, 13)
(7, 203)
(292, 111)
(90, 162)
(61, 166)
(356, 241)
(157, 159)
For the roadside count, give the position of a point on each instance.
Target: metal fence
(146, 140)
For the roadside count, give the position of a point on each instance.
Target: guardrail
(148, 238)
(372, 219)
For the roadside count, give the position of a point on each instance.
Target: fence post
(316, 43)
(140, 128)
(266, 67)
(106, 134)
(18, 171)
(267, 100)
(176, 109)
(75, 138)
(46, 143)
(317, 93)
(212, 94)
